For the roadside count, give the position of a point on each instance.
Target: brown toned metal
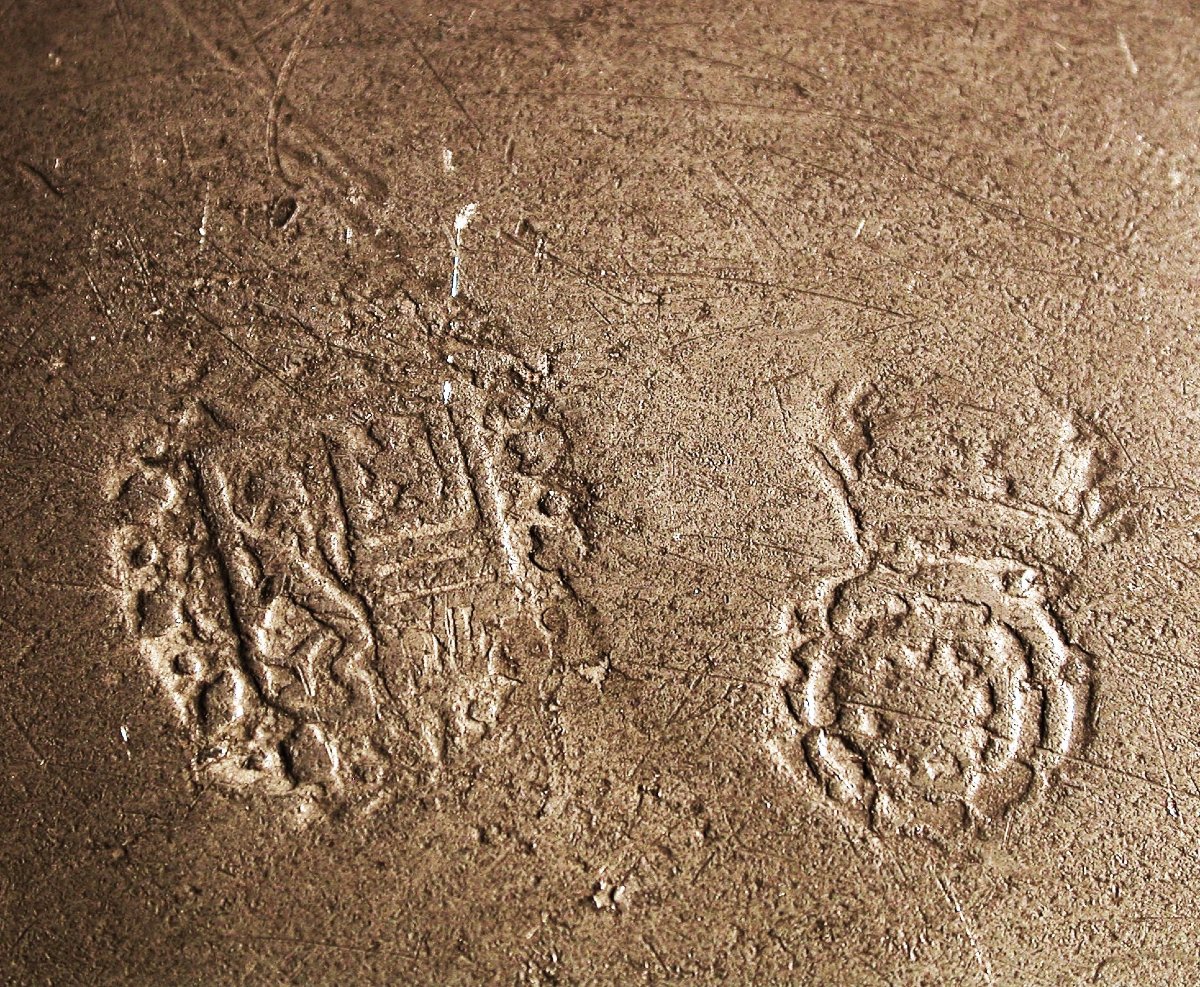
(598, 494)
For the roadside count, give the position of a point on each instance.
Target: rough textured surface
(598, 494)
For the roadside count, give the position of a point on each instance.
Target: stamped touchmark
(934, 690)
(931, 687)
(331, 609)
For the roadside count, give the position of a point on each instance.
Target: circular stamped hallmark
(934, 695)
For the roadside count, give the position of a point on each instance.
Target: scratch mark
(980, 956)
(983, 202)
(1129, 62)
(25, 735)
(461, 222)
(215, 325)
(319, 144)
(209, 46)
(44, 763)
(1119, 772)
(656, 954)
(588, 277)
(104, 309)
(369, 949)
(37, 178)
(277, 96)
(204, 216)
(1172, 801)
(122, 19)
(235, 8)
(446, 88)
(784, 290)
(745, 201)
(281, 19)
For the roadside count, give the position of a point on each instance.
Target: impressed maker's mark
(329, 610)
(931, 687)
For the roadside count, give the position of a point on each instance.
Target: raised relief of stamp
(931, 687)
(332, 608)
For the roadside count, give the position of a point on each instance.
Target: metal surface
(598, 493)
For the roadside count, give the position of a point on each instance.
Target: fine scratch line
(980, 957)
(274, 165)
(461, 222)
